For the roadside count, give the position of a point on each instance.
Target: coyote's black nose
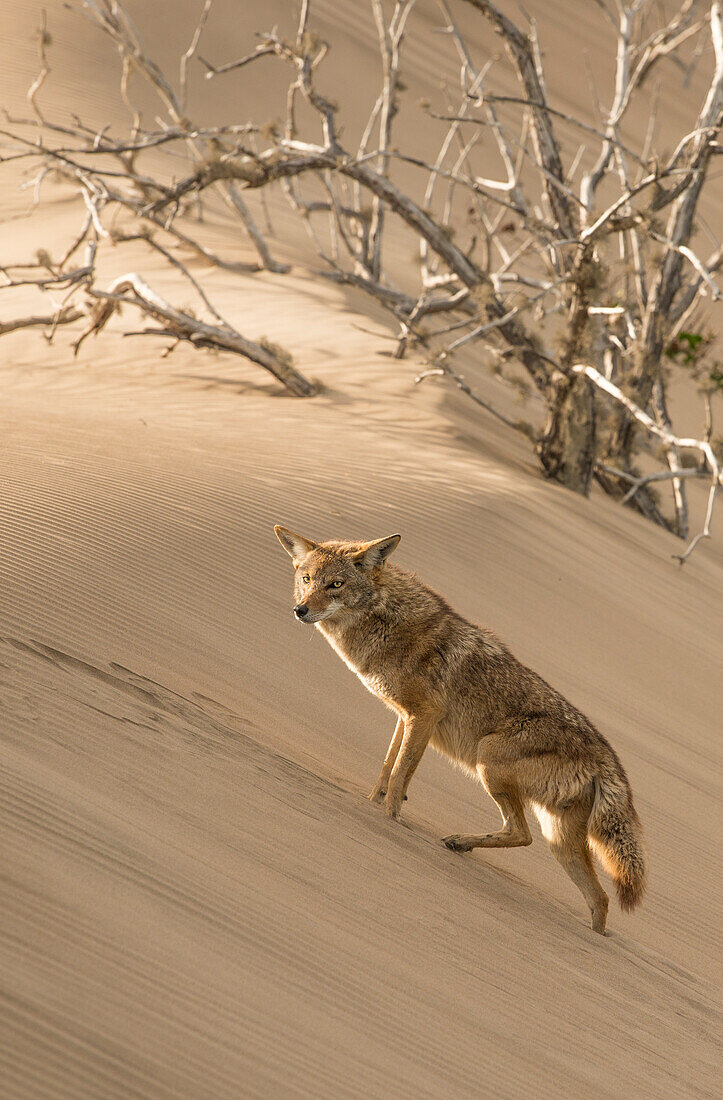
(300, 610)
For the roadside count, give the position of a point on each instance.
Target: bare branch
(390, 42)
(648, 479)
(191, 51)
(132, 290)
(486, 99)
(445, 370)
(44, 40)
(547, 151)
(667, 437)
(63, 316)
(260, 51)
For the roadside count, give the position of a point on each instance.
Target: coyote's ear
(293, 544)
(373, 554)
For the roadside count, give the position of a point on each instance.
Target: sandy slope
(197, 900)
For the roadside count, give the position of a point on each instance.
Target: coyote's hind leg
(514, 833)
(568, 845)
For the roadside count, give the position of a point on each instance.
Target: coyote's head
(333, 577)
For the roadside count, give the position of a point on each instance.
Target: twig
(190, 52)
(213, 70)
(44, 40)
(445, 370)
(64, 316)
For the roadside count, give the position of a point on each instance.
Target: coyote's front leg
(379, 793)
(417, 732)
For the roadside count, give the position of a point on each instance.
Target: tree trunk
(566, 448)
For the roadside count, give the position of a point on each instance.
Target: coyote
(457, 687)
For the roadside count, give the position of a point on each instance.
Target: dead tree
(522, 262)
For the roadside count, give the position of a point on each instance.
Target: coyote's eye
(306, 578)
(336, 584)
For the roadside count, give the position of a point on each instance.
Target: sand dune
(197, 899)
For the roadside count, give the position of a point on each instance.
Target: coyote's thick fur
(457, 687)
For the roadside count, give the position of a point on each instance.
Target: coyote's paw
(457, 842)
(378, 795)
(392, 806)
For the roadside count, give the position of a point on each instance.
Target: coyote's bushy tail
(615, 834)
